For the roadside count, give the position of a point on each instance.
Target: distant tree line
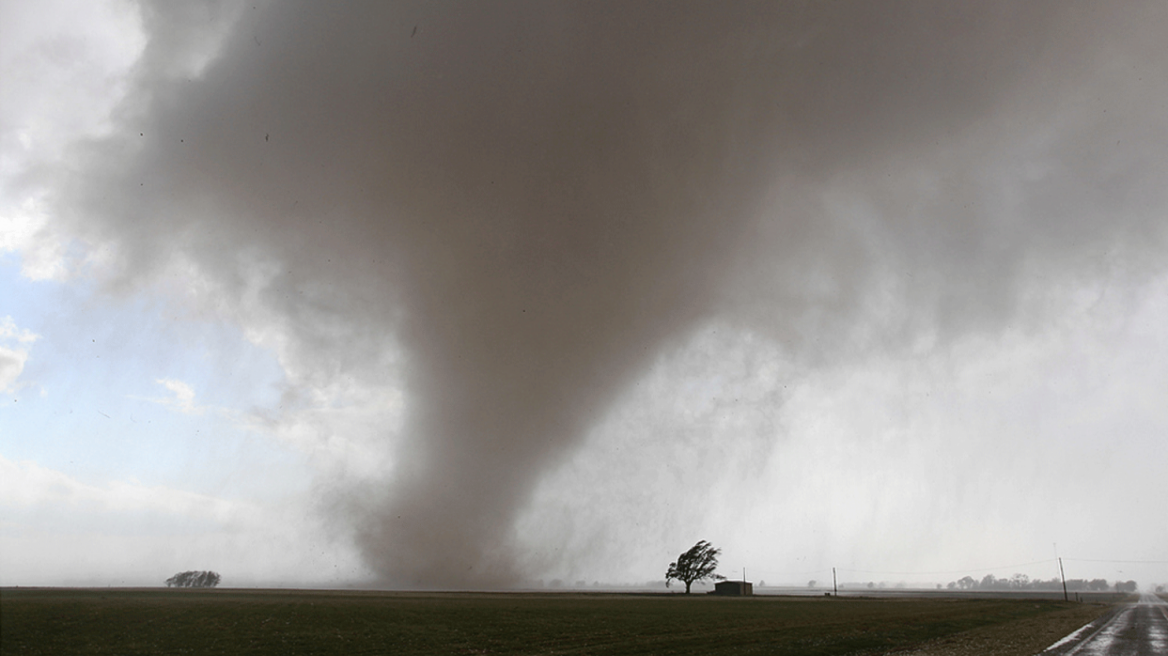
(1023, 582)
(193, 579)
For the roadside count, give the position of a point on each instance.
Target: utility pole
(834, 589)
(1064, 575)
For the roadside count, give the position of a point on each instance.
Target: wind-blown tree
(697, 564)
(193, 579)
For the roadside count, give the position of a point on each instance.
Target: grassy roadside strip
(1021, 637)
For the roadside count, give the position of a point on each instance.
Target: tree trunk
(687, 583)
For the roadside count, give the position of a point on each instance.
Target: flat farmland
(224, 621)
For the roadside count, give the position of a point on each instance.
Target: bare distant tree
(193, 579)
(697, 564)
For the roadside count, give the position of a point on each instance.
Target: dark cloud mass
(534, 199)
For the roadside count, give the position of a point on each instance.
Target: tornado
(517, 206)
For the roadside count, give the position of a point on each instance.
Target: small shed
(736, 588)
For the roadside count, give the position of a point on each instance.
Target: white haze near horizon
(947, 355)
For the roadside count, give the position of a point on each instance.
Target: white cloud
(8, 330)
(183, 399)
(24, 229)
(13, 358)
(184, 396)
(11, 366)
(27, 486)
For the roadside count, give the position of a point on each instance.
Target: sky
(475, 296)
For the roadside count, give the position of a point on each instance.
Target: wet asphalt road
(1139, 629)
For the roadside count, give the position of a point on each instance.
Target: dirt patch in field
(1023, 637)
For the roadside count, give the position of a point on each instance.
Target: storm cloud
(514, 208)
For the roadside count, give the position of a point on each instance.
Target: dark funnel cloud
(519, 205)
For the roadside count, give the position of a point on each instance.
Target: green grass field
(164, 621)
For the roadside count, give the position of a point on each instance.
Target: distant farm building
(736, 588)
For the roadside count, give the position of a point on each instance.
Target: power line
(773, 572)
(1126, 562)
(967, 570)
(954, 571)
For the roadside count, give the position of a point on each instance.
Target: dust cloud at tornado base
(516, 209)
